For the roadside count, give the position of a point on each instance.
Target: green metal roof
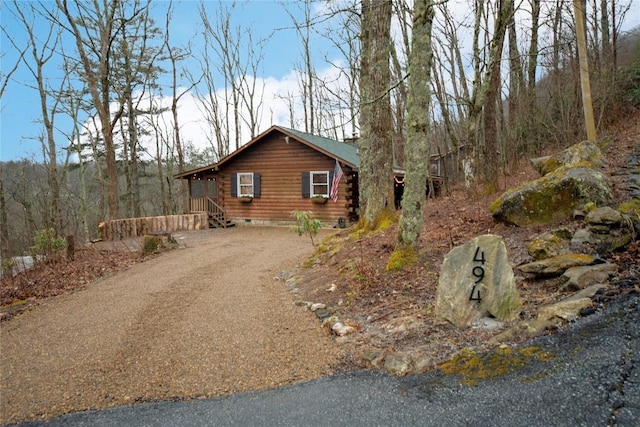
(340, 150)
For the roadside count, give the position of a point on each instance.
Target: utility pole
(579, 8)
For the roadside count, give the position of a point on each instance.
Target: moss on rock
(473, 367)
(552, 243)
(553, 197)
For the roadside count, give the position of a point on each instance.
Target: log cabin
(278, 171)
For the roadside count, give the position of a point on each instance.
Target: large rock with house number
(476, 280)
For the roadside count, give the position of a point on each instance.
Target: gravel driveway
(208, 320)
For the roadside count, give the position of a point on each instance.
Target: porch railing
(216, 213)
(198, 204)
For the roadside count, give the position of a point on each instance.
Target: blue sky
(19, 113)
(20, 105)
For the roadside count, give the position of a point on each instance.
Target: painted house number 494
(478, 273)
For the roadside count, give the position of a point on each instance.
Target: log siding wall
(280, 163)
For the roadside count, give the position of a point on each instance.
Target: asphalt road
(592, 380)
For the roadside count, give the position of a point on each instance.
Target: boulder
(631, 209)
(524, 330)
(549, 244)
(589, 292)
(566, 310)
(609, 229)
(476, 280)
(373, 357)
(556, 265)
(577, 278)
(553, 197)
(317, 306)
(341, 330)
(585, 152)
(612, 241)
(581, 237)
(604, 216)
(397, 363)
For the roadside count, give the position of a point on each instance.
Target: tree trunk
(532, 65)
(491, 145)
(97, 78)
(485, 96)
(605, 30)
(417, 148)
(515, 100)
(376, 154)
(52, 216)
(133, 152)
(4, 227)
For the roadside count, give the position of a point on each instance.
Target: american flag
(337, 176)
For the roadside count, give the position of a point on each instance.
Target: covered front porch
(205, 197)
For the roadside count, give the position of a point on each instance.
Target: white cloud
(280, 104)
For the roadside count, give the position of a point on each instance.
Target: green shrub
(151, 245)
(46, 243)
(8, 266)
(305, 224)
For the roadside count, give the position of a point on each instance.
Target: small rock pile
(327, 315)
(576, 261)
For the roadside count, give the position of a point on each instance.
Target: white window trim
(239, 186)
(311, 184)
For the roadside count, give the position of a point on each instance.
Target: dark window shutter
(256, 185)
(234, 185)
(306, 185)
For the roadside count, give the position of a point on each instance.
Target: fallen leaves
(57, 275)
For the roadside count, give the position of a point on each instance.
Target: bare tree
(307, 73)
(94, 26)
(4, 219)
(100, 29)
(400, 47)
(6, 78)
(77, 146)
(135, 74)
(41, 54)
(175, 55)
(225, 50)
(343, 32)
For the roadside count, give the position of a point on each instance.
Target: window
(319, 184)
(245, 184)
(196, 188)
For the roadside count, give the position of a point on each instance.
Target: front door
(212, 188)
